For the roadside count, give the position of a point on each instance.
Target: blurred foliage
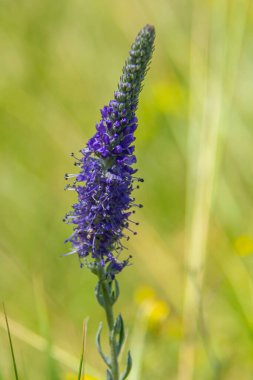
(60, 63)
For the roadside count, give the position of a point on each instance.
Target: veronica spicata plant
(102, 217)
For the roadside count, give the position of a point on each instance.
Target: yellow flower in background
(157, 313)
(153, 309)
(74, 376)
(144, 293)
(244, 245)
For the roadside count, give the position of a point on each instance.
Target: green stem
(110, 322)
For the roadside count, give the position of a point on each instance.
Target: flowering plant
(103, 214)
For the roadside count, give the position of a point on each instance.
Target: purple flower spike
(102, 215)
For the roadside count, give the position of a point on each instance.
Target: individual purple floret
(103, 214)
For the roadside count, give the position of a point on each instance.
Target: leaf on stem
(109, 375)
(98, 344)
(128, 367)
(115, 292)
(119, 333)
(99, 294)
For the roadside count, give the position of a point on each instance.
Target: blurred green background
(187, 300)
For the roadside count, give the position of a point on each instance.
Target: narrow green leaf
(99, 294)
(11, 346)
(109, 375)
(120, 332)
(81, 365)
(128, 367)
(98, 344)
(115, 292)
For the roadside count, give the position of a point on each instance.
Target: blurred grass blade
(137, 345)
(39, 343)
(11, 345)
(205, 116)
(81, 371)
(214, 67)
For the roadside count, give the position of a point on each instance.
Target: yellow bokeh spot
(159, 312)
(73, 376)
(144, 293)
(244, 245)
(169, 97)
(153, 309)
